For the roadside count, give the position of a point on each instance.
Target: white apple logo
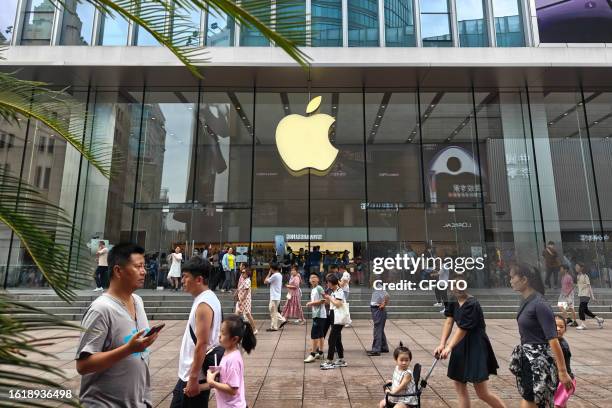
(303, 141)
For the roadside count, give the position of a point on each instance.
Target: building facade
(457, 128)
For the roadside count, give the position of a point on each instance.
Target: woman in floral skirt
(293, 307)
(243, 296)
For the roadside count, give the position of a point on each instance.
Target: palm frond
(20, 352)
(47, 233)
(57, 110)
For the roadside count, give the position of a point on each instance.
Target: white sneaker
(437, 304)
(442, 311)
(600, 322)
(310, 358)
(319, 356)
(98, 289)
(327, 365)
(581, 327)
(340, 362)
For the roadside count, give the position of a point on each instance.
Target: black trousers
(379, 341)
(583, 309)
(552, 275)
(334, 344)
(180, 400)
(441, 295)
(102, 277)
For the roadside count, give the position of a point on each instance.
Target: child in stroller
(404, 391)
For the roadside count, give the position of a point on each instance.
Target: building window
(7, 21)
(326, 23)
(251, 37)
(50, 146)
(188, 30)
(219, 30)
(77, 23)
(399, 23)
(471, 23)
(37, 176)
(435, 23)
(37, 22)
(113, 30)
(142, 36)
(363, 23)
(41, 144)
(11, 141)
(2, 140)
(508, 23)
(47, 178)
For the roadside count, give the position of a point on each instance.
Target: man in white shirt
(200, 342)
(102, 269)
(275, 280)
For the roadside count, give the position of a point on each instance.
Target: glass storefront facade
(471, 172)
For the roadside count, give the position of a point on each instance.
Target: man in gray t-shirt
(112, 354)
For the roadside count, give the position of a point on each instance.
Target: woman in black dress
(471, 356)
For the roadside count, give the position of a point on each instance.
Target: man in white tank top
(201, 338)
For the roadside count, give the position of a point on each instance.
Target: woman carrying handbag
(339, 315)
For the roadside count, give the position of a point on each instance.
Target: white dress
(175, 268)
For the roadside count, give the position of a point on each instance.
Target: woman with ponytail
(228, 378)
(538, 362)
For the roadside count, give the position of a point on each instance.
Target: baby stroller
(419, 383)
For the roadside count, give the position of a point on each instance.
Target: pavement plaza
(276, 376)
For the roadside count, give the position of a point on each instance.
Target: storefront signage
(457, 225)
(304, 237)
(303, 141)
(594, 237)
(382, 206)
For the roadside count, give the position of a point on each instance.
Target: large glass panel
(512, 222)
(7, 21)
(280, 198)
(471, 23)
(251, 37)
(219, 30)
(326, 23)
(143, 37)
(569, 201)
(508, 23)
(37, 22)
(186, 28)
(435, 24)
(113, 30)
(399, 23)
(293, 24)
(363, 23)
(77, 23)
(599, 120)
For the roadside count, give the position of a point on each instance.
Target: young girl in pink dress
(228, 379)
(293, 307)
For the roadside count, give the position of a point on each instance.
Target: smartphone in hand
(155, 329)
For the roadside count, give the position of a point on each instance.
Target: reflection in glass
(7, 21)
(293, 20)
(471, 23)
(399, 23)
(113, 30)
(77, 23)
(508, 23)
(326, 23)
(435, 24)
(142, 36)
(219, 30)
(189, 31)
(37, 22)
(251, 37)
(363, 23)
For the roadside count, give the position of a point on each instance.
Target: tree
(46, 230)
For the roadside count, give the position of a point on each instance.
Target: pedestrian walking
(378, 308)
(537, 371)
(176, 258)
(101, 275)
(552, 263)
(566, 297)
(562, 395)
(319, 319)
(243, 292)
(112, 356)
(275, 280)
(228, 379)
(228, 262)
(293, 306)
(472, 359)
(334, 343)
(200, 347)
(585, 294)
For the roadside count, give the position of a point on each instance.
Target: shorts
(568, 300)
(317, 331)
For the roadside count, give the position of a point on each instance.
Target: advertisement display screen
(575, 21)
